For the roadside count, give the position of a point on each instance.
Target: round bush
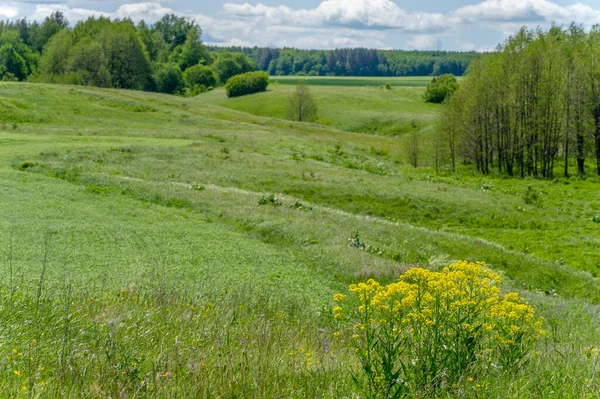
(247, 83)
(441, 88)
(199, 75)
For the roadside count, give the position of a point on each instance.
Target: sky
(458, 25)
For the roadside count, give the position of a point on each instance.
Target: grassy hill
(349, 104)
(160, 246)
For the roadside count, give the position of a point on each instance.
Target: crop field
(159, 246)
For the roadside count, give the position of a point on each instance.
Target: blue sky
(426, 24)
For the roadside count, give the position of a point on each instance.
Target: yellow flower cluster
(457, 315)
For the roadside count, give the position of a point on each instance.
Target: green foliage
(440, 89)
(247, 83)
(128, 62)
(199, 75)
(55, 60)
(87, 59)
(228, 65)
(168, 78)
(101, 52)
(355, 62)
(270, 200)
(153, 235)
(12, 65)
(191, 52)
(531, 108)
(301, 105)
(428, 330)
(174, 29)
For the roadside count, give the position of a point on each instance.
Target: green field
(411, 81)
(138, 261)
(368, 109)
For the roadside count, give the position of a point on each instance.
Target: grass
(156, 246)
(412, 81)
(368, 109)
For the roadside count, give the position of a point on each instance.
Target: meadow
(158, 246)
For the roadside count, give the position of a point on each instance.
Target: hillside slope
(144, 210)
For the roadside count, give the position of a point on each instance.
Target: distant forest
(169, 56)
(355, 61)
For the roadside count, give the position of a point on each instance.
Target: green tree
(168, 78)
(173, 29)
(440, 88)
(88, 61)
(128, 62)
(55, 58)
(156, 46)
(50, 27)
(199, 75)
(301, 104)
(12, 65)
(228, 65)
(192, 52)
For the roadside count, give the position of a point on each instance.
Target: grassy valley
(159, 246)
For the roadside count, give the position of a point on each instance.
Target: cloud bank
(342, 23)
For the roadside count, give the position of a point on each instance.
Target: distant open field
(417, 81)
(360, 109)
(158, 246)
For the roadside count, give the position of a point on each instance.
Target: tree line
(355, 61)
(167, 57)
(532, 108)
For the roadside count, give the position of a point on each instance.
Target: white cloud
(150, 12)
(424, 42)
(514, 11)
(8, 10)
(465, 46)
(72, 14)
(356, 14)
(342, 23)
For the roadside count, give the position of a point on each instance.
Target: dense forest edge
(354, 61)
(170, 57)
(531, 107)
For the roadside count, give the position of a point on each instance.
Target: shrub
(429, 329)
(168, 78)
(270, 200)
(247, 83)
(532, 197)
(199, 75)
(441, 88)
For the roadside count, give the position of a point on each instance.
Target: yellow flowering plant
(428, 328)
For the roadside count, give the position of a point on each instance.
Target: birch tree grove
(532, 108)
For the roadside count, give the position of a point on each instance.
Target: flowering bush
(428, 329)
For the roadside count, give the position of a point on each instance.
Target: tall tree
(301, 104)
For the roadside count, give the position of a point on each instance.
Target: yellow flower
(17, 373)
(339, 297)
